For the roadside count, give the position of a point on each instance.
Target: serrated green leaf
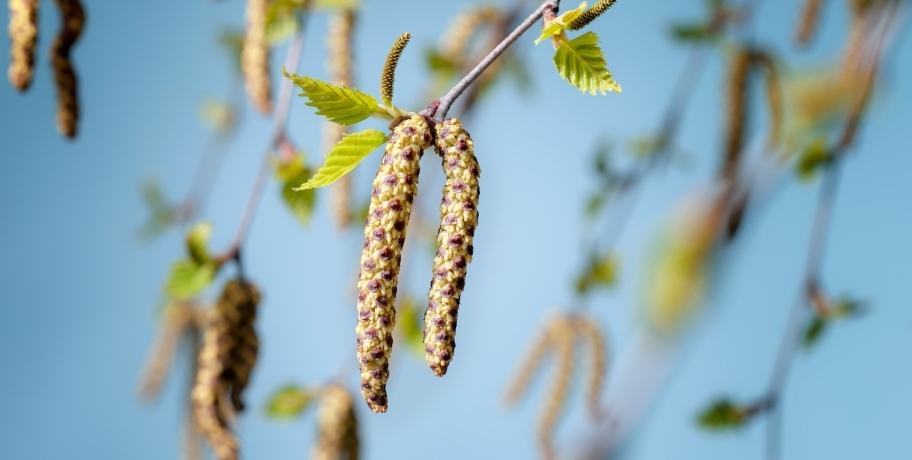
(559, 24)
(198, 241)
(187, 278)
(721, 414)
(580, 62)
(344, 157)
(340, 104)
(289, 402)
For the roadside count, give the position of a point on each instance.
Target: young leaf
(409, 326)
(188, 278)
(722, 414)
(580, 61)
(601, 272)
(197, 242)
(289, 402)
(300, 203)
(344, 156)
(559, 24)
(340, 104)
(815, 156)
(813, 331)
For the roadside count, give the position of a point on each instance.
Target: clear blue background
(79, 292)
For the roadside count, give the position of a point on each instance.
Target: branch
(279, 123)
(439, 107)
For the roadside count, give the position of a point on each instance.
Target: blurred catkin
(736, 112)
(763, 60)
(337, 422)
(388, 76)
(808, 20)
(562, 339)
(530, 365)
(339, 44)
(255, 57)
(72, 21)
(226, 359)
(23, 32)
(458, 36)
(458, 220)
(179, 321)
(394, 190)
(590, 14)
(591, 334)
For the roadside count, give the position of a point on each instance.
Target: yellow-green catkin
(226, 359)
(337, 422)
(394, 189)
(23, 32)
(72, 21)
(591, 334)
(808, 20)
(458, 220)
(339, 44)
(590, 14)
(255, 57)
(561, 332)
(388, 76)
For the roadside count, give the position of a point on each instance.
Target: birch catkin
(394, 189)
(226, 359)
(807, 24)
(457, 38)
(562, 339)
(736, 113)
(255, 57)
(179, 320)
(529, 367)
(23, 32)
(72, 21)
(589, 331)
(337, 437)
(339, 44)
(458, 219)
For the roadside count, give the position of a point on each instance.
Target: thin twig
(445, 102)
(279, 123)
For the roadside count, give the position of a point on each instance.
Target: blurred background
(82, 289)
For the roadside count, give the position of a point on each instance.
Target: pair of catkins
(23, 32)
(394, 189)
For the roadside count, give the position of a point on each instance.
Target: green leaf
(336, 4)
(580, 61)
(289, 402)
(342, 105)
(815, 156)
(409, 325)
(601, 272)
(722, 414)
(848, 308)
(813, 331)
(559, 24)
(197, 242)
(188, 278)
(344, 157)
(300, 203)
(693, 33)
(440, 64)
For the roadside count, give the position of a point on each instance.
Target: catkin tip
(591, 14)
(388, 76)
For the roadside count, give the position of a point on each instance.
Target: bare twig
(441, 106)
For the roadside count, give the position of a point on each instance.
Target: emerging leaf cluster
(190, 276)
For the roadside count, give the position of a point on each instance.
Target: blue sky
(80, 291)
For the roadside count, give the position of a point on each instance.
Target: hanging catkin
(337, 436)
(179, 321)
(394, 189)
(807, 24)
(226, 359)
(562, 339)
(72, 21)
(589, 332)
(459, 35)
(761, 59)
(529, 367)
(735, 113)
(339, 44)
(458, 219)
(255, 57)
(23, 32)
